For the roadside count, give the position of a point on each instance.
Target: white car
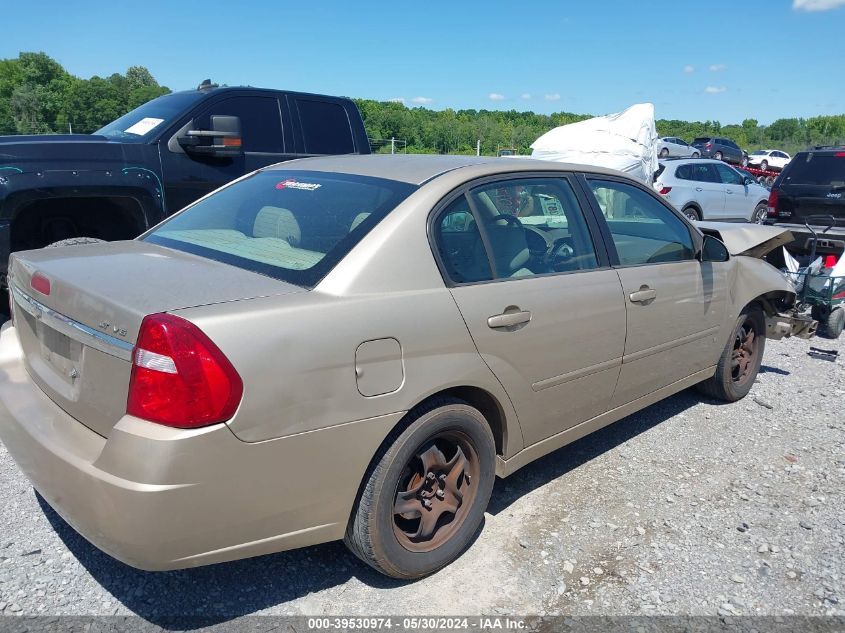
(768, 159)
(674, 147)
(707, 189)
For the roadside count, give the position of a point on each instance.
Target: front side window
(729, 176)
(261, 123)
(287, 224)
(643, 230)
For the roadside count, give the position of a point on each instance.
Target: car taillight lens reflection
(772, 211)
(40, 283)
(180, 378)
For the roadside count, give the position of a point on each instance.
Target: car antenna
(206, 85)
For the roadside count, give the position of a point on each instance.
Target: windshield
(290, 225)
(139, 125)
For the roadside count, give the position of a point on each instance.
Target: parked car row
(723, 149)
(707, 189)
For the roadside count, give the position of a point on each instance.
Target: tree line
(37, 96)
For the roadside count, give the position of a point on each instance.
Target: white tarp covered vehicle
(626, 141)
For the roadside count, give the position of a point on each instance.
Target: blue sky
(713, 59)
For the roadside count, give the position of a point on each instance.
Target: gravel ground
(690, 507)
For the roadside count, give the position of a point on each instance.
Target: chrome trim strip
(73, 329)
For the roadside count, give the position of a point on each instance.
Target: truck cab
(132, 173)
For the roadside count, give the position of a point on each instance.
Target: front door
(738, 201)
(541, 304)
(188, 177)
(675, 304)
(709, 190)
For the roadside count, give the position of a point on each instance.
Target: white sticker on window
(143, 126)
(290, 183)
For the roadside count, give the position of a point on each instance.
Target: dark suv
(812, 184)
(720, 148)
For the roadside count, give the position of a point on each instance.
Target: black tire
(692, 213)
(761, 212)
(718, 155)
(75, 241)
(377, 532)
(744, 161)
(832, 325)
(764, 166)
(696, 155)
(734, 378)
(664, 153)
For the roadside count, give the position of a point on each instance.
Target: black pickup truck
(151, 162)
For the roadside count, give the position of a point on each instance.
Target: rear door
(534, 286)
(675, 305)
(188, 177)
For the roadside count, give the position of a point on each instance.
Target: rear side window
(699, 172)
(291, 225)
(817, 169)
(261, 124)
(325, 127)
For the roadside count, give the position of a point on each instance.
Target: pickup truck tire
(445, 447)
(75, 241)
(740, 361)
(832, 325)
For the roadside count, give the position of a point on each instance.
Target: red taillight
(40, 283)
(839, 154)
(772, 211)
(708, 145)
(664, 190)
(180, 377)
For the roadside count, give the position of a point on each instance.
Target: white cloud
(816, 5)
(554, 97)
(525, 95)
(397, 100)
(714, 68)
(422, 100)
(688, 69)
(495, 96)
(713, 90)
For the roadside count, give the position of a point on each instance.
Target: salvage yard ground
(688, 507)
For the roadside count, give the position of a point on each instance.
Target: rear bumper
(158, 498)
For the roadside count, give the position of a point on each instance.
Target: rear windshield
(817, 169)
(701, 139)
(290, 225)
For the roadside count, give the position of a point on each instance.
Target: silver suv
(705, 189)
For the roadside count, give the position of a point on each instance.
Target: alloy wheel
(744, 354)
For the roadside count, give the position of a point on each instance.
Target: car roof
(417, 169)
(685, 161)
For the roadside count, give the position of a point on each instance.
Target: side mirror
(748, 180)
(223, 139)
(713, 250)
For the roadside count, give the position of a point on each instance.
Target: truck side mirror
(223, 139)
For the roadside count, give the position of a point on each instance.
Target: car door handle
(729, 191)
(509, 319)
(643, 294)
(699, 189)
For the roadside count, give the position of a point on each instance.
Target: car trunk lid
(78, 334)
